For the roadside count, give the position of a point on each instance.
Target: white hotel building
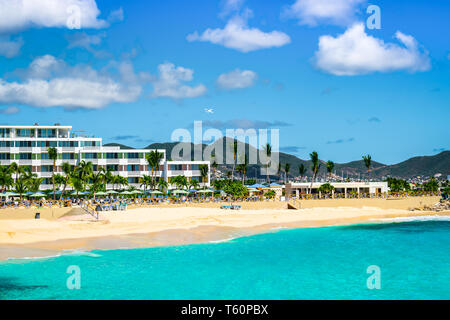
(27, 146)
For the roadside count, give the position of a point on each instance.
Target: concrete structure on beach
(343, 188)
(27, 146)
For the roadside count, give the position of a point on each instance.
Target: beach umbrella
(253, 190)
(274, 185)
(37, 195)
(206, 191)
(179, 192)
(126, 193)
(193, 191)
(9, 194)
(100, 193)
(257, 186)
(136, 192)
(157, 192)
(111, 192)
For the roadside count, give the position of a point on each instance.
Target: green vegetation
(315, 166)
(270, 194)
(398, 185)
(431, 186)
(234, 188)
(326, 188)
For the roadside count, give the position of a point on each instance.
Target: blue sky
(136, 70)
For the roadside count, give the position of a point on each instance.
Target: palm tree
(16, 170)
(145, 181)
(67, 169)
(302, 171)
(154, 158)
(53, 155)
(330, 168)
(268, 150)
(77, 183)
(162, 185)
(315, 166)
(5, 177)
(280, 168)
(204, 170)
(97, 179)
(368, 163)
(287, 168)
(84, 171)
(59, 180)
(21, 186)
(242, 168)
(193, 184)
(34, 184)
(235, 150)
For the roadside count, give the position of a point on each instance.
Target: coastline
(67, 229)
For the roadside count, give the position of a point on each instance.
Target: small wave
(222, 240)
(279, 228)
(74, 253)
(417, 218)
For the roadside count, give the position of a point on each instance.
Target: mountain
(426, 166)
(121, 146)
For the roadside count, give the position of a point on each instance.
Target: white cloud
(231, 6)
(50, 82)
(9, 110)
(84, 40)
(10, 48)
(239, 36)
(237, 79)
(169, 83)
(313, 12)
(116, 15)
(16, 15)
(354, 52)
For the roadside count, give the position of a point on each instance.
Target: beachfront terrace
(340, 188)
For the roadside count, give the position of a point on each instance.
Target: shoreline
(155, 227)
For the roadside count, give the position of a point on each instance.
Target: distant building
(27, 146)
(344, 188)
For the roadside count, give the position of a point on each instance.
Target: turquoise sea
(318, 263)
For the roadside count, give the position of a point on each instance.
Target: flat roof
(34, 126)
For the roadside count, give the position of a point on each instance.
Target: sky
(330, 76)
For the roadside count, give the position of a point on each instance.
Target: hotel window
(24, 156)
(44, 156)
(25, 144)
(46, 133)
(176, 167)
(90, 155)
(46, 144)
(5, 156)
(112, 156)
(6, 144)
(47, 181)
(68, 156)
(46, 168)
(25, 133)
(5, 133)
(133, 180)
(133, 155)
(90, 143)
(112, 167)
(194, 167)
(133, 167)
(68, 144)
